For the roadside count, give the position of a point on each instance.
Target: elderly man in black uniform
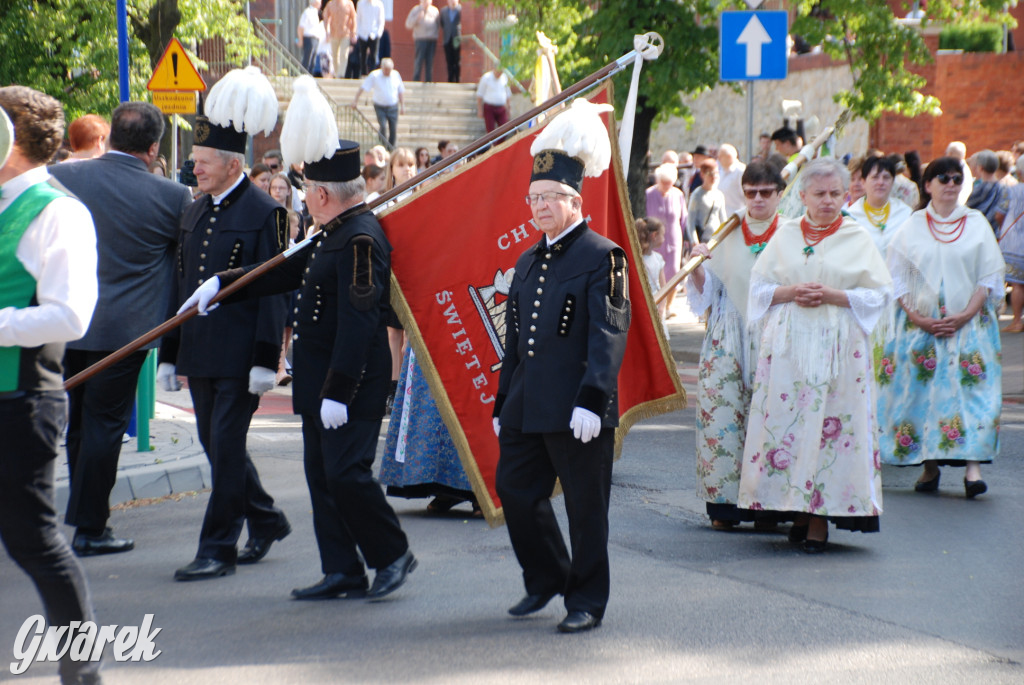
(342, 376)
(556, 408)
(136, 252)
(230, 359)
(48, 272)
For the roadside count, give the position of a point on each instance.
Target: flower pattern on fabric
(884, 371)
(972, 369)
(805, 451)
(958, 392)
(952, 433)
(906, 438)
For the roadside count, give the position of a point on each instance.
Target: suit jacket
(339, 325)
(568, 318)
(136, 215)
(248, 226)
(451, 24)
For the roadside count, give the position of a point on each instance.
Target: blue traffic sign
(753, 46)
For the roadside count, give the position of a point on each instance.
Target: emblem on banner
(494, 314)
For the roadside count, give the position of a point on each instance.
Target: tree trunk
(637, 180)
(164, 17)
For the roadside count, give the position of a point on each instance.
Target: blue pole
(122, 48)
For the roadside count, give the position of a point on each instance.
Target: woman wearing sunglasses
(940, 377)
(720, 288)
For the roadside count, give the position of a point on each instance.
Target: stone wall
(720, 115)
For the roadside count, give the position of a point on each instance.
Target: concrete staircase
(433, 111)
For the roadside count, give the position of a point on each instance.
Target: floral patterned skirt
(940, 398)
(812, 447)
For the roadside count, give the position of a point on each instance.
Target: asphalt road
(936, 597)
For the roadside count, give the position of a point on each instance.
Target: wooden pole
(479, 144)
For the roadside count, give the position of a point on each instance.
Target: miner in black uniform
(342, 373)
(229, 359)
(556, 408)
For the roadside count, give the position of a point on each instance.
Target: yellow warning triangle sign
(175, 71)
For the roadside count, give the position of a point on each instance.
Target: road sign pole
(174, 147)
(750, 120)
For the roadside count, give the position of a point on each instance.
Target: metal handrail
(281, 68)
(491, 56)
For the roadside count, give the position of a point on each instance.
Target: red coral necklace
(756, 242)
(946, 236)
(815, 234)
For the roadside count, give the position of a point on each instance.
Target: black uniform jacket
(340, 335)
(248, 226)
(569, 315)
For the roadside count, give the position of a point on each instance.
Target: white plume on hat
(579, 132)
(245, 99)
(310, 131)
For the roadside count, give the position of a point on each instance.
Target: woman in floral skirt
(720, 290)
(940, 379)
(812, 443)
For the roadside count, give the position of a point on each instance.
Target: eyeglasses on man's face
(957, 179)
(751, 193)
(545, 198)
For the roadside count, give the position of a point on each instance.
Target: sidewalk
(176, 462)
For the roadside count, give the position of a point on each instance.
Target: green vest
(19, 287)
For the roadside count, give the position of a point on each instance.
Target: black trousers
(367, 50)
(453, 58)
(224, 408)
(31, 427)
(527, 469)
(350, 512)
(100, 410)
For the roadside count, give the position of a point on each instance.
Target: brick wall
(403, 49)
(982, 103)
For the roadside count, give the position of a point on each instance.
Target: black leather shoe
(815, 546)
(797, 534)
(202, 569)
(973, 488)
(90, 545)
(928, 485)
(257, 548)
(390, 578)
(578, 621)
(531, 604)
(334, 585)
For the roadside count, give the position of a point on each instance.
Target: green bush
(972, 38)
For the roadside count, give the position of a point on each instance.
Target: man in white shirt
(492, 97)
(369, 28)
(730, 171)
(387, 90)
(48, 271)
(311, 34)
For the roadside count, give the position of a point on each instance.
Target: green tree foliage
(864, 33)
(68, 48)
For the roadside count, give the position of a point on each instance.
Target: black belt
(12, 395)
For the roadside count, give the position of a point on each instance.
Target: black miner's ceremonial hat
(209, 134)
(342, 166)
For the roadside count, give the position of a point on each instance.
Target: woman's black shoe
(797, 534)
(928, 485)
(973, 488)
(815, 546)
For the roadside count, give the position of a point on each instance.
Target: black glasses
(274, 167)
(766, 193)
(957, 179)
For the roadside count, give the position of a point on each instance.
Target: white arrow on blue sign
(753, 46)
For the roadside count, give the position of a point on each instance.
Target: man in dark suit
(230, 359)
(136, 242)
(342, 376)
(451, 38)
(557, 407)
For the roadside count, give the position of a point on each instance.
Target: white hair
(824, 167)
(958, 148)
(666, 172)
(226, 156)
(344, 191)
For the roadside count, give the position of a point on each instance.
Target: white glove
(202, 296)
(585, 424)
(166, 378)
(261, 379)
(333, 414)
(496, 422)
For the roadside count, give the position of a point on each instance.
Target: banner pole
(598, 76)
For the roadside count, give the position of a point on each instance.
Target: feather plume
(579, 132)
(310, 131)
(244, 99)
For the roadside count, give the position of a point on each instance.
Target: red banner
(455, 241)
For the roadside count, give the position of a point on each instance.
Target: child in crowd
(651, 234)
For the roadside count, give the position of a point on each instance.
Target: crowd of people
(853, 327)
